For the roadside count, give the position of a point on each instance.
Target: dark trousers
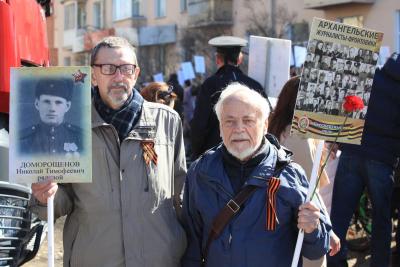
(354, 173)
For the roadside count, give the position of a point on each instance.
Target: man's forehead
(116, 55)
(52, 97)
(239, 115)
(238, 106)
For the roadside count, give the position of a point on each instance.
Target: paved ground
(356, 259)
(41, 258)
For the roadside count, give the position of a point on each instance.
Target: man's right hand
(42, 191)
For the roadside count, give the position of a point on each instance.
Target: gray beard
(244, 155)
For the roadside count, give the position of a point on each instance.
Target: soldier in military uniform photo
(52, 134)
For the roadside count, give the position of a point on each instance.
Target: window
(160, 8)
(81, 15)
(98, 15)
(183, 5)
(81, 59)
(136, 7)
(123, 9)
(397, 30)
(357, 21)
(67, 61)
(69, 16)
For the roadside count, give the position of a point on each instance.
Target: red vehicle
(23, 39)
(23, 42)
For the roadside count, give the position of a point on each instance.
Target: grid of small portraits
(333, 71)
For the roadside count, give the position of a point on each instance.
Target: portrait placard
(340, 61)
(50, 125)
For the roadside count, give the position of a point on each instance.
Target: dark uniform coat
(45, 139)
(204, 125)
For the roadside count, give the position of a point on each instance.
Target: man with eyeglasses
(126, 216)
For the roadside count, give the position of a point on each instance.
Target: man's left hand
(308, 219)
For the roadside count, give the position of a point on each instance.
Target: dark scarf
(124, 118)
(237, 171)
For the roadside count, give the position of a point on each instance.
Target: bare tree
(194, 40)
(259, 20)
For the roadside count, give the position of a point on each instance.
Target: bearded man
(244, 200)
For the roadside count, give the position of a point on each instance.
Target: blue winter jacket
(245, 241)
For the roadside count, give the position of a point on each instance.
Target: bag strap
(231, 208)
(225, 215)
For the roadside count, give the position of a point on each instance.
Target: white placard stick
(50, 232)
(313, 182)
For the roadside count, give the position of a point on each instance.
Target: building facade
(167, 32)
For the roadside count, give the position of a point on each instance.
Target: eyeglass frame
(116, 67)
(164, 94)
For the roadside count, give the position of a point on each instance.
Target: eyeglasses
(110, 69)
(165, 94)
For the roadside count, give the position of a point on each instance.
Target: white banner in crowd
(199, 64)
(158, 77)
(181, 78)
(384, 54)
(188, 72)
(264, 54)
(299, 55)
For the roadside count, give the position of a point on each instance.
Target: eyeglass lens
(109, 69)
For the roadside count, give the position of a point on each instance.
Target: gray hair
(111, 42)
(249, 96)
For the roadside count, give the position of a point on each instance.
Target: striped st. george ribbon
(149, 153)
(272, 217)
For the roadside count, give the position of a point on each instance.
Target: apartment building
(151, 26)
(167, 32)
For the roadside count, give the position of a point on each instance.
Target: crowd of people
(243, 200)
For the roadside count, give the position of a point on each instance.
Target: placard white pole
(50, 233)
(313, 182)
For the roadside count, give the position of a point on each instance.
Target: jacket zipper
(148, 173)
(117, 137)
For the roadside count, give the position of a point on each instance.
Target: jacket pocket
(100, 193)
(165, 240)
(73, 232)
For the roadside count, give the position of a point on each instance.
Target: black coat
(204, 125)
(51, 140)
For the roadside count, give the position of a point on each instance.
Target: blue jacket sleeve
(192, 223)
(315, 244)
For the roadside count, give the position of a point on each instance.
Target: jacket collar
(228, 68)
(213, 170)
(144, 129)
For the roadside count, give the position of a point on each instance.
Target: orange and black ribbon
(272, 217)
(149, 153)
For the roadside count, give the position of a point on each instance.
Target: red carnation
(353, 103)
